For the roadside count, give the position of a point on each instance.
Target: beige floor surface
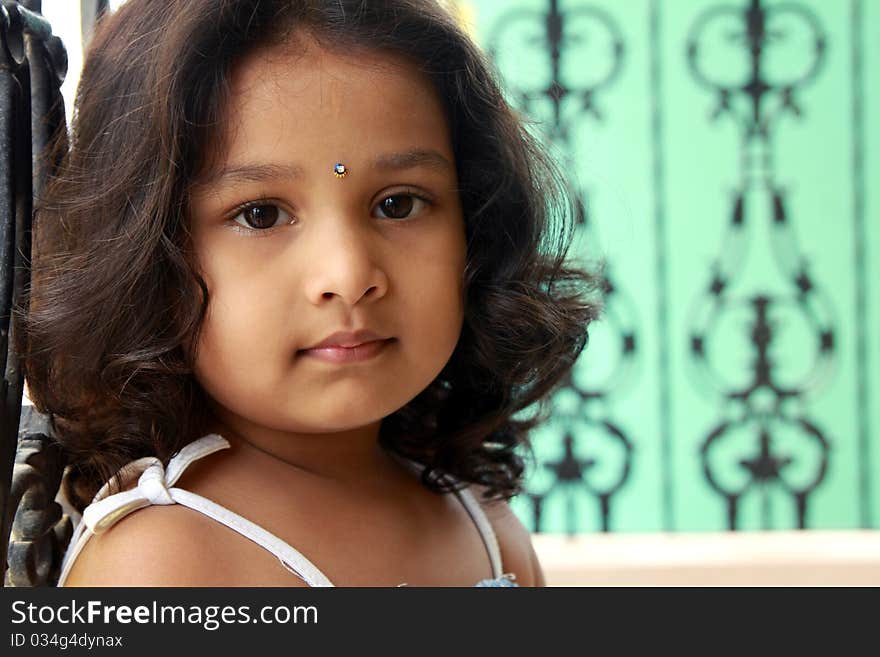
(783, 558)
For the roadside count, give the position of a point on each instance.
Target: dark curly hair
(109, 329)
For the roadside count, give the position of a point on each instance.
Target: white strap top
(156, 486)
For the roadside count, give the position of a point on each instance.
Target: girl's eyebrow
(244, 173)
(417, 157)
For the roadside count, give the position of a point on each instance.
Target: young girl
(298, 272)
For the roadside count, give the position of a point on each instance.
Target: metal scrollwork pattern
(738, 320)
(594, 453)
(40, 530)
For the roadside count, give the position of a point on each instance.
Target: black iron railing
(33, 63)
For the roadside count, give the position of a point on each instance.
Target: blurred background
(727, 168)
(722, 151)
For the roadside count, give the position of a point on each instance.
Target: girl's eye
(400, 206)
(261, 216)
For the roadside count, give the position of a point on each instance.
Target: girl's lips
(336, 354)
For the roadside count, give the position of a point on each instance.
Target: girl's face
(291, 253)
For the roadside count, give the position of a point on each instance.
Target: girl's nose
(344, 264)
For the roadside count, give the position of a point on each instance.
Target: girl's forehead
(307, 106)
(311, 100)
(315, 78)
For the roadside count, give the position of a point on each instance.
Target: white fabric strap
(290, 557)
(484, 527)
(155, 487)
(475, 511)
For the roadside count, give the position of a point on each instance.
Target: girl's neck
(353, 456)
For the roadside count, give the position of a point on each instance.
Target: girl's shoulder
(173, 545)
(155, 546)
(514, 540)
(162, 545)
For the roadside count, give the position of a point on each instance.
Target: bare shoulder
(155, 546)
(165, 546)
(514, 540)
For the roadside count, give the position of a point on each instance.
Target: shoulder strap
(155, 486)
(475, 511)
(484, 527)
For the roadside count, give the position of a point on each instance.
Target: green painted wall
(793, 323)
